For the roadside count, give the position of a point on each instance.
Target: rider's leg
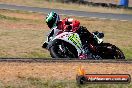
(85, 39)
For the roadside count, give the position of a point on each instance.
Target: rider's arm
(50, 35)
(48, 39)
(53, 33)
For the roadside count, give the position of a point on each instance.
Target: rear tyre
(109, 51)
(118, 54)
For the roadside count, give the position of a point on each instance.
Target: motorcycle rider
(68, 24)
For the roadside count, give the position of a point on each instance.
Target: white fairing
(72, 38)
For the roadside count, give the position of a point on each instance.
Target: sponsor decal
(75, 39)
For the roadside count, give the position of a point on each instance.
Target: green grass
(3, 17)
(9, 18)
(73, 84)
(37, 55)
(32, 82)
(128, 52)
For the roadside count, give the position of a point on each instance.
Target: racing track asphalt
(122, 17)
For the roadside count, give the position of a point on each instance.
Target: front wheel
(109, 51)
(62, 49)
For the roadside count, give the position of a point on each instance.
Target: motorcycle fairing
(72, 38)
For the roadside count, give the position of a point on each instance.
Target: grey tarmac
(122, 17)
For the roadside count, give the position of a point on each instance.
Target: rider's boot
(86, 53)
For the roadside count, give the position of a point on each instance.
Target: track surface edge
(45, 60)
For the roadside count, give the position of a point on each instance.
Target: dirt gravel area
(14, 71)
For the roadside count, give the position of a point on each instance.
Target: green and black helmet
(52, 19)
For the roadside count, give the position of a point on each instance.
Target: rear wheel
(62, 49)
(109, 51)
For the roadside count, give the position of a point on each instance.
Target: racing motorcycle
(68, 45)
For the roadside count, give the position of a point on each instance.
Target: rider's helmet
(52, 19)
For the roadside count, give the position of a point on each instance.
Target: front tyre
(62, 49)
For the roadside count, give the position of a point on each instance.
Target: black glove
(99, 34)
(45, 45)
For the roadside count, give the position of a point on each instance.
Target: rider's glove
(98, 34)
(45, 45)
